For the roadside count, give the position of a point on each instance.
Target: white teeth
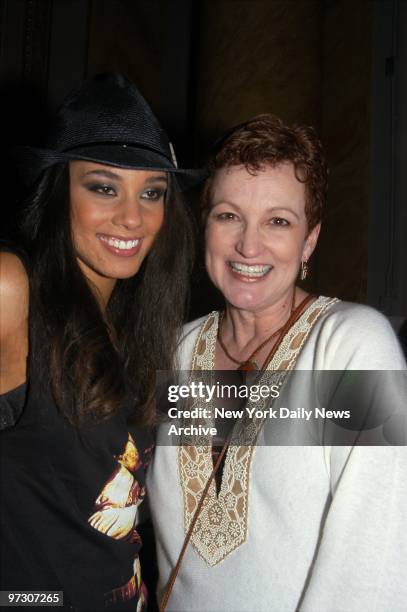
(246, 270)
(123, 245)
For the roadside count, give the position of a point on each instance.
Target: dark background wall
(206, 65)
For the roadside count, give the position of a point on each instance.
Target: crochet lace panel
(223, 521)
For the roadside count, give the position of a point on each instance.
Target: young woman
(84, 326)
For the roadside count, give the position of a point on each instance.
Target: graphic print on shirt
(116, 506)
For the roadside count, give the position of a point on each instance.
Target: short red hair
(266, 141)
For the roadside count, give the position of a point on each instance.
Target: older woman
(284, 528)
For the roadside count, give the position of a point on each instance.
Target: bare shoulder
(13, 322)
(14, 292)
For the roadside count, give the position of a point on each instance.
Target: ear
(310, 242)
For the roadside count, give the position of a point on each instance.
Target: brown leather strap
(176, 569)
(295, 315)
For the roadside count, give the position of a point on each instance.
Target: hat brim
(33, 161)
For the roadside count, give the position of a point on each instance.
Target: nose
(128, 214)
(249, 242)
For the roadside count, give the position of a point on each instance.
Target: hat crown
(107, 121)
(107, 109)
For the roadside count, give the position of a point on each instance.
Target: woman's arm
(13, 322)
(361, 559)
(361, 563)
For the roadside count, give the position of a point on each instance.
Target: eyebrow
(268, 211)
(157, 179)
(113, 175)
(284, 208)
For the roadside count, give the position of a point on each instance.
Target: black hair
(95, 361)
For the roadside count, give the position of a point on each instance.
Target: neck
(102, 292)
(101, 287)
(103, 295)
(248, 337)
(243, 329)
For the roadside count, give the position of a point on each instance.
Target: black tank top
(68, 503)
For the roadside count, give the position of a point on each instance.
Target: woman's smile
(257, 235)
(116, 215)
(121, 246)
(249, 273)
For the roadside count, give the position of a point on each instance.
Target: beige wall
(257, 56)
(346, 82)
(308, 61)
(126, 35)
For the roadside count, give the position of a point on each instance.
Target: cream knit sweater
(326, 526)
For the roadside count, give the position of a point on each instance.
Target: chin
(120, 272)
(125, 275)
(243, 302)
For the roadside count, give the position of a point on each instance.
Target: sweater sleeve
(356, 337)
(361, 561)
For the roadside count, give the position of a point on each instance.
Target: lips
(121, 246)
(247, 271)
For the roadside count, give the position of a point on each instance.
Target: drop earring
(304, 270)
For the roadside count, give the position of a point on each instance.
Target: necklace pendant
(249, 366)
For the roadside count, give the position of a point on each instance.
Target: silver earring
(304, 270)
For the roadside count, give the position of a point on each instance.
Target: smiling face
(256, 235)
(115, 217)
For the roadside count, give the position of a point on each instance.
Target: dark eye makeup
(105, 189)
(153, 194)
(102, 188)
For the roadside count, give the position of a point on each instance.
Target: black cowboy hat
(109, 122)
